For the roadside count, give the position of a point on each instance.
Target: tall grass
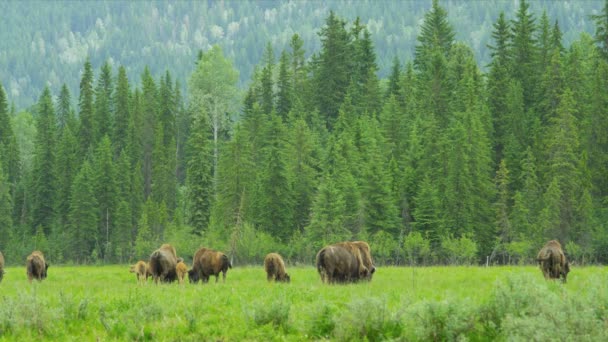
(434, 303)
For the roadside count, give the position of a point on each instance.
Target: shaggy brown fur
(552, 261)
(141, 270)
(181, 269)
(1, 266)
(35, 266)
(338, 264)
(162, 264)
(207, 262)
(362, 252)
(275, 268)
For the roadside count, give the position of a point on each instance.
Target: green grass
(431, 303)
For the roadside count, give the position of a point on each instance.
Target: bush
(459, 251)
(417, 248)
(368, 319)
(384, 247)
(442, 321)
(275, 313)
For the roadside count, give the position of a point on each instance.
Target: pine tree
(332, 73)
(267, 81)
(68, 164)
(427, 214)
(150, 117)
(87, 130)
(273, 201)
(298, 67)
(9, 150)
(284, 85)
(502, 204)
(44, 187)
(394, 81)
(601, 30)
(436, 36)
(106, 191)
(302, 167)
(167, 109)
(120, 136)
(103, 112)
(199, 175)
(327, 223)
(525, 53)
(84, 215)
(65, 114)
(498, 81)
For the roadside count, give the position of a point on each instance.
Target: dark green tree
(65, 113)
(436, 36)
(199, 175)
(103, 112)
(525, 52)
(284, 85)
(44, 186)
(267, 81)
(84, 215)
(149, 103)
(332, 75)
(87, 129)
(601, 30)
(106, 192)
(122, 115)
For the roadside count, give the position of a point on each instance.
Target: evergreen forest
(446, 157)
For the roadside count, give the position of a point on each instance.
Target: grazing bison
(207, 262)
(362, 252)
(1, 266)
(181, 269)
(35, 266)
(552, 261)
(141, 270)
(162, 264)
(338, 264)
(275, 268)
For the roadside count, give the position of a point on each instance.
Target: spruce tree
(106, 191)
(68, 164)
(284, 85)
(199, 175)
(44, 187)
(65, 114)
(87, 129)
(267, 81)
(103, 112)
(525, 52)
(149, 98)
(6, 209)
(601, 30)
(436, 36)
(120, 136)
(84, 215)
(9, 150)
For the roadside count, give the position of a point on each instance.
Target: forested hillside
(444, 160)
(46, 42)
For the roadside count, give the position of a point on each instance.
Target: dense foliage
(441, 162)
(164, 33)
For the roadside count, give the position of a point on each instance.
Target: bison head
(193, 276)
(287, 278)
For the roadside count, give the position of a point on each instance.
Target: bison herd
(342, 262)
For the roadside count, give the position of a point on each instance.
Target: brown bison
(552, 261)
(207, 262)
(362, 252)
(275, 268)
(35, 266)
(141, 270)
(162, 264)
(181, 269)
(1, 266)
(339, 264)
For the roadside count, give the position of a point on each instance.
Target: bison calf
(181, 269)
(141, 270)
(275, 268)
(552, 261)
(36, 266)
(207, 262)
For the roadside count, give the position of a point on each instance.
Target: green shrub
(443, 320)
(368, 319)
(322, 323)
(417, 248)
(459, 251)
(275, 313)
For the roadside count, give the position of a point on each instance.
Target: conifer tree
(284, 85)
(121, 134)
(267, 81)
(65, 114)
(105, 188)
(87, 130)
(6, 209)
(44, 187)
(394, 81)
(199, 175)
(103, 112)
(436, 37)
(601, 30)
(332, 73)
(525, 52)
(149, 102)
(68, 164)
(84, 215)
(9, 150)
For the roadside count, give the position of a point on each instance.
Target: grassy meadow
(105, 303)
